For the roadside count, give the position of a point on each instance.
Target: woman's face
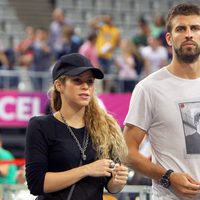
(78, 90)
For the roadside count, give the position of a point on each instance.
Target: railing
(20, 191)
(25, 80)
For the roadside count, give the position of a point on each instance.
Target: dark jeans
(127, 85)
(105, 65)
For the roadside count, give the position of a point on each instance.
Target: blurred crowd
(124, 61)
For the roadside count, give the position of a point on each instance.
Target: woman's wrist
(85, 170)
(113, 187)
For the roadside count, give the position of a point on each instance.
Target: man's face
(185, 38)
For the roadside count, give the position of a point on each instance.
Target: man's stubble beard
(187, 55)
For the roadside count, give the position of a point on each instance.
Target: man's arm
(181, 183)
(135, 160)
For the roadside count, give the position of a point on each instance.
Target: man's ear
(168, 38)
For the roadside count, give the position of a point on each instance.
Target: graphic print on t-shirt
(190, 113)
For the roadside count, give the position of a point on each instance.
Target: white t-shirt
(165, 106)
(156, 57)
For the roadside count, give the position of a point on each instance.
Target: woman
(126, 63)
(76, 151)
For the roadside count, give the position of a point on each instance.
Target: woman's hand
(99, 168)
(119, 178)
(120, 174)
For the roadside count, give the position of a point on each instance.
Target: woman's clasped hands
(106, 167)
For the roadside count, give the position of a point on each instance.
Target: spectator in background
(3, 58)
(125, 62)
(55, 30)
(108, 39)
(23, 48)
(88, 49)
(69, 44)
(41, 57)
(24, 59)
(158, 26)
(24, 79)
(7, 171)
(4, 65)
(143, 32)
(139, 60)
(155, 55)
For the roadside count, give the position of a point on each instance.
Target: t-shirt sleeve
(140, 109)
(36, 150)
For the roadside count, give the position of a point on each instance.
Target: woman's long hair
(104, 130)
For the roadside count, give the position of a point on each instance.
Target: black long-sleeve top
(51, 148)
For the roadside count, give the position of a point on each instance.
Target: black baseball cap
(73, 65)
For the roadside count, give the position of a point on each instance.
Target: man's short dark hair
(181, 9)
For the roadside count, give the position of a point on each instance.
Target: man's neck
(185, 70)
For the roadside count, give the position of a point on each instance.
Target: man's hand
(184, 184)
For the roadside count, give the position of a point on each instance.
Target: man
(7, 172)
(157, 108)
(155, 55)
(55, 30)
(108, 39)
